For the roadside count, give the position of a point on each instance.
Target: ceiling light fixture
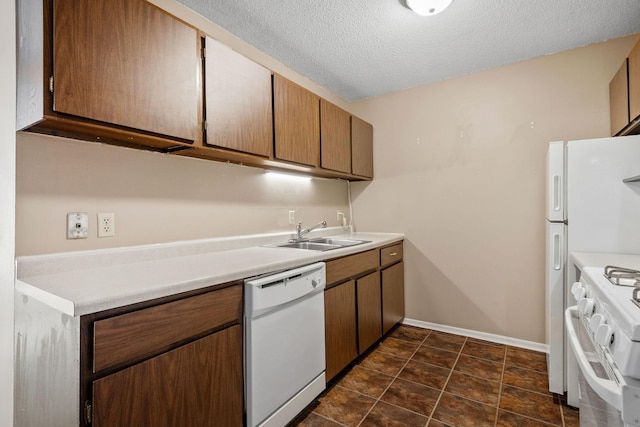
(428, 7)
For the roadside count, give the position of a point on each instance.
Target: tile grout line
(330, 419)
(444, 386)
(393, 380)
(502, 384)
(504, 367)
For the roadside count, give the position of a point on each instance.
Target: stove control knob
(595, 322)
(604, 335)
(586, 306)
(578, 292)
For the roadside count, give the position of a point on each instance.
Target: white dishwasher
(284, 344)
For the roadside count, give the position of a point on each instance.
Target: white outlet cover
(77, 225)
(106, 224)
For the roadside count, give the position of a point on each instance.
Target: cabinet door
(392, 296)
(198, 384)
(369, 310)
(634, 83)
(238, 101)
(618, 97)
(124, 62)
(361, 147)
(335, 141)
(340, 327)
(297, 122)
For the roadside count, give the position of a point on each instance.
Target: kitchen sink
(312, 246)
(339, 242)
(320, 244)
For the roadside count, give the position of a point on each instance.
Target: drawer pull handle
(393, 254)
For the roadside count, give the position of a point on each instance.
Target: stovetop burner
(621, 276)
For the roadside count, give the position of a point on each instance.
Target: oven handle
(608, 390)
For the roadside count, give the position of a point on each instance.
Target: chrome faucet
(300, 233)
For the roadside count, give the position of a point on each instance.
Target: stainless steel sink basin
(321, 244)
(339, 242)
(312, 246)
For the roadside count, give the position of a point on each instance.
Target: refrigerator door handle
(557, 192)
(557, 252)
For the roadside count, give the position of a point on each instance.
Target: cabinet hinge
(51, 84)
(87, 412)
(204, 126)
(204, 52)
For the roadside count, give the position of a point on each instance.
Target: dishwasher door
(284, 344)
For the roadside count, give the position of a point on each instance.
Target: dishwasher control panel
(277, 289)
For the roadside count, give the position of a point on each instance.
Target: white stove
(604, 331)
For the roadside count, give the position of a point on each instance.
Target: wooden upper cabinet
(126, 63)
(618, 100)
(335, 141)
(297, 122)
(634, 83)
(361, 147)
(238, 101)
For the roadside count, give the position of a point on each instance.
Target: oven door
(600, 394)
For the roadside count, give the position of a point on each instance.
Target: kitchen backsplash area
(155, 198)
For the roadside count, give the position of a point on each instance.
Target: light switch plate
(77, 225)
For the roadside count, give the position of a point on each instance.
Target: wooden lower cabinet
(363, 301)
(369, 310)
(340, 327)
(199, 383)
(392, 296)
(175, 361)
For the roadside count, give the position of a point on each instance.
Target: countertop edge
(598, 259)
(91, 290)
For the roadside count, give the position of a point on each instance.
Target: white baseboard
(500, 339)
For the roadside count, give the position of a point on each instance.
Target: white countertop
(79, 283)
(600, 260)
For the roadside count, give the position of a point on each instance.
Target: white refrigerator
(593, 205)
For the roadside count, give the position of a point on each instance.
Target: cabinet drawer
(139, 334)
(390, 254)
(350, 266)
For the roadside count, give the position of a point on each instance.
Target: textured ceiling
(364, 48)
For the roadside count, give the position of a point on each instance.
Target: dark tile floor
(419, 377)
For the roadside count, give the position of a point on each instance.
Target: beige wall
(156, 197)
(7, 206)
(459, 168)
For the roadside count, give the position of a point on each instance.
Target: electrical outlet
(106, 225)
(77, 225)
(292, 217)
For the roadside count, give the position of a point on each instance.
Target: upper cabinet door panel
(361, 147)
(618, 100)
(125, 62)
(335, 146)
(238, 101)
(297, 122)
(634, 83)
